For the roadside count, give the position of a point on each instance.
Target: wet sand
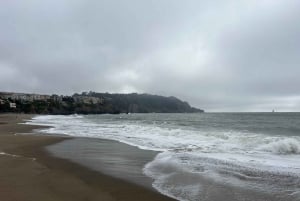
(29, 173)
(109, 157)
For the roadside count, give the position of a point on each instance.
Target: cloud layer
(218, 55)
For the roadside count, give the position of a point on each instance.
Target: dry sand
(29, 173)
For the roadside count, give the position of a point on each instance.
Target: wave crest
(284, 146)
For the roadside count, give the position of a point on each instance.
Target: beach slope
(29, 173)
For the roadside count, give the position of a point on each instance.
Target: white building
(12, 105)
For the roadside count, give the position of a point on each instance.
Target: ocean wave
(187, 176)
(283, 146)
(237, 158)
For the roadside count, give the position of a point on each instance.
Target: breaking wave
(250, 160)
(283, 146)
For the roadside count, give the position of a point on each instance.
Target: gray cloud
(218, 55)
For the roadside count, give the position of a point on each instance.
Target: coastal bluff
(92, 103)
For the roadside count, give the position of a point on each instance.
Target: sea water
(259, 152)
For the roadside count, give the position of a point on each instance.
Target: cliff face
(93, 103)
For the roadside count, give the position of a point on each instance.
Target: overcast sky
(222, 55)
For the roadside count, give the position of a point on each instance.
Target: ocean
(199, 155)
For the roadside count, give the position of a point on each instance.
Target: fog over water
(234, 55)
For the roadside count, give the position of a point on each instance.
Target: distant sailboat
(273, 110)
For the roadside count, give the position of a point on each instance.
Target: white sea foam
(6, 154)
(239, 158)
(283, 146)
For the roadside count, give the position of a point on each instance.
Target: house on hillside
(12, 105)
(88, 99)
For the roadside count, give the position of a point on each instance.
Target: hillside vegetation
(93, 103)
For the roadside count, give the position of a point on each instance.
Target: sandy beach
(29, 173)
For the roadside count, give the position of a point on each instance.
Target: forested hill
(92, 103)
(145, 103)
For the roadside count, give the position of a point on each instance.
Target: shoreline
(109, 157)
(29, 172)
